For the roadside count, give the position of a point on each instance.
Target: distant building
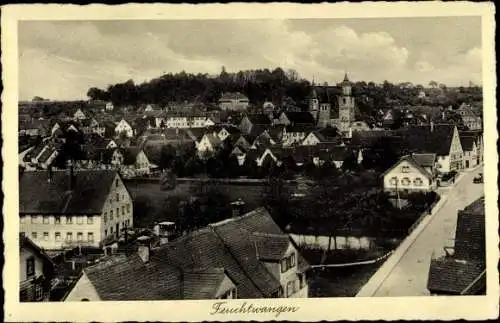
(295, 134)
(461, 270)
(252, 120)
(109, 106)
(79, 115)
(65, 209)
(131, 161)
(233, 101)
(440, 139)
(124, 127)
(209, 143)
(470, 119)
(296, 118)
(413, 173)
(36, 270)
(242, 257)
(471, 158)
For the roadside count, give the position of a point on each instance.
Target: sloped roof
(202, 283)
(453, 276)
(129, 278)
(467, 143)
(470, 232)
(259, 119)
(424, 139)
(87, 196)
(424, 160)
(25, 242)
(270, 247)
(302, 117)
(300, 127)
(412, 161)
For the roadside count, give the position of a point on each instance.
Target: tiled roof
(470, 232)
(270, 246)
(452, 276)
(467, 143)
(193, 266)
(202, 283)
(424, 160)
(87, 196)
(129, 278)
(412, 161)
(25, 242)
(300, 117)
(298, 127)
(424, 139)
(259, 119)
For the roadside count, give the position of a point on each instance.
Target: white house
(412, 173)
(124, 127)
(55, 216)
(79, 115)
(109, 106)
(209, 143)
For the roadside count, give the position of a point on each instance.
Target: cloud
(61, 60)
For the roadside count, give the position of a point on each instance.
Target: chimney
(237, 208)
(144, 248)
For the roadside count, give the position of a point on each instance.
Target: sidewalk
(371, 287)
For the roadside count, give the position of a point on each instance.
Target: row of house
(438, 150)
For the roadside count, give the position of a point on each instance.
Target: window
(90, 219)
(46, 236)
(34, 235)
(69, 236)
(292, 260)
(22, 219)
(405, 181)
(117, 197)
(394, 181)
(105, 232)
(45, 220)
(105, 217)
(58, 236)
(418, 182)
(116, 183)
(111, 230)
(111, 215)
(117, 212)
(90, 237)
(57, 220)
(33, 219)
(405, 169)
(123, 210)
(30, 267)
(284, 265)
(79, 219)
(79, 236)
(128, 208)
(69, 219)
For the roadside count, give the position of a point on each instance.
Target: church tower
(314, 102)
(346, 106)
(324, 111)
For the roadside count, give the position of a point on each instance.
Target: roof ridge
(246, 215)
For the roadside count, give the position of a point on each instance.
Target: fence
(427, 212)
(358, 263)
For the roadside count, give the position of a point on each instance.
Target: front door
(118, 230)
(466, 164)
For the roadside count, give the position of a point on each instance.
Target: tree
(167, 156)
(433, 84)
(168, 181)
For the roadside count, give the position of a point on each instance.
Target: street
(409, 276)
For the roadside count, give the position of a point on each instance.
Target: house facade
(233, 101)
(209, 143)
(131, 161)
(124, 127)
(54, 215)
(407, 176)
(36, 270)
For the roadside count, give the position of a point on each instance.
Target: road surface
(409, 276)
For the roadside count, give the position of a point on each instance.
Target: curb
(372, 286)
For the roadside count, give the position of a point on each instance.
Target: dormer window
(287, 263)
(405, 169)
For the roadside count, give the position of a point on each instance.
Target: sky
(61, 60)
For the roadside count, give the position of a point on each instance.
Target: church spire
(346, 79)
